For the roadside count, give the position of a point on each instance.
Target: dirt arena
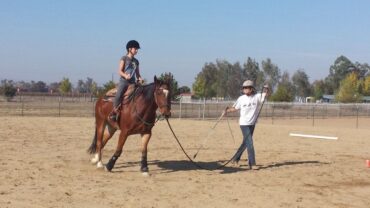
(44, 164)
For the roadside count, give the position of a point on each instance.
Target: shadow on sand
(185, 165)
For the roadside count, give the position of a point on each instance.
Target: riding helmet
(132, 44)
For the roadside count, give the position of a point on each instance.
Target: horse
(138, 116)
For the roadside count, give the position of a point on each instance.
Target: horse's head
(162, 95)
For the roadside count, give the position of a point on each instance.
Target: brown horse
(138, 116)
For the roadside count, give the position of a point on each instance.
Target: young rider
(128, 71)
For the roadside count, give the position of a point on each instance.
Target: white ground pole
(313, 136)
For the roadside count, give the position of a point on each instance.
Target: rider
(128, 70)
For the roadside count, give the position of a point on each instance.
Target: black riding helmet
(132, 44)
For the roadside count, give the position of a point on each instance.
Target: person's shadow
(169, 166)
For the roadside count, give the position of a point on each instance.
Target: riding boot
(113, 118)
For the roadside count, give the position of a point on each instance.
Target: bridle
(155, 100)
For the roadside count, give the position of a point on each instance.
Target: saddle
(127, 96)
(111, 94)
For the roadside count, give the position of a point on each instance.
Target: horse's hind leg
(108, 133)
(100, 126)
(118, 152)
(144, 150)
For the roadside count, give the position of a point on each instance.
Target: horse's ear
(155, 79)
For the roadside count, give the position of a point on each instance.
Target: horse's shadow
(169, 166)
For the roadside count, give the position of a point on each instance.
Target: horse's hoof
(146, 174)
(99, 165)
(144, 169)
(95, 159)
(107, 169)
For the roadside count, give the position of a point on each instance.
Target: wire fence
(82, 106)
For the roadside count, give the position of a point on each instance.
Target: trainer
(248, 104)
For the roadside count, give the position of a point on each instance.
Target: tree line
(10, 88)
(348, 81)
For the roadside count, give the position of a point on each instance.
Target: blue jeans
(121, 89)
(247, 144)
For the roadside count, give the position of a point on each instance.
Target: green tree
(252, 72)
(282, 94)
(366, 86)
(206, 82)
(301, 84)
(7, 89)
(81, 88)
(338, 71)
(54, 87)
(318, 89)
(285, 90)
(349, 89)
(168, 76)
(87, 86)
(184, 89)
(271, 72)
(220, 83)
(234, 81)
(39, 86)
(65, 86)
(199, 86)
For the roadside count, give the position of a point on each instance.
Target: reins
(153, 101)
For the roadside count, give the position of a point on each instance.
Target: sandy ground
(44, 164)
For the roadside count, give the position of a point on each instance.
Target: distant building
(366, 99)
(328, 98)
(185, 97)
(331, 99)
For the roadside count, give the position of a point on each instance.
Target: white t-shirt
(248, 106)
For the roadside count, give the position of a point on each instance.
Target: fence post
(59, 106)
(93, 108)
(22, 107)
(272, 115)
(199, 110)
(313, 115)
(180, 107)
(204, 107)
(339, 113)
(357, 116)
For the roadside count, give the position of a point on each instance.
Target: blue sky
(48, 40)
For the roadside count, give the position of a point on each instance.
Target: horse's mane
(148, 91)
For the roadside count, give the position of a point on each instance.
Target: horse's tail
(92, 148)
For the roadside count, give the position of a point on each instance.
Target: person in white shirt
(249, 104)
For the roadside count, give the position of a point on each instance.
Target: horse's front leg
(144, 150)
(121, 141)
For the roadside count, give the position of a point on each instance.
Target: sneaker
(253, 167)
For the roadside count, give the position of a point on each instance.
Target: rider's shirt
(131, 65)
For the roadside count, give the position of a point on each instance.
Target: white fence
(201, 109)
